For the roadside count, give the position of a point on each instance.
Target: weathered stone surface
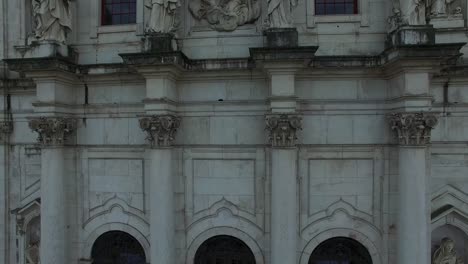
(281, 37)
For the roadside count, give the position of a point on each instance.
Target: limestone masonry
(234, 132)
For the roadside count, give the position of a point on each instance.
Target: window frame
(96, 28)
(361, 17)
(103, 13)
(334, 3)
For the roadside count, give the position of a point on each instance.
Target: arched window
(340, 250)
(224, 250)
(116, 247)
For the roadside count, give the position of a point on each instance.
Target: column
(161, 130)
(413, 131)
(5, 130)
(284, 213)
(53, 133)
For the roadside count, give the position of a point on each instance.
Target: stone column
(5, 130)
(413, 131)
(53, 133)
(284, 214)
(161, 130)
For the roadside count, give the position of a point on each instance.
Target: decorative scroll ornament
(226, 15)
(53, 130)
(161, 129)
(413, 128)
(6, 127)
(282, 129)
(446, 253)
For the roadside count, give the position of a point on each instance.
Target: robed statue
(52, 19)
(163, 15)
(280, 13)
(439, 7)
(446, 253)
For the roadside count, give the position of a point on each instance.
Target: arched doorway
(224, 250)
(340, 250)
(116, 247)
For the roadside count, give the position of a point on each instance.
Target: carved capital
(413, 128)
(282, 129)
(53, 130)
(6, 127)
(161, 129)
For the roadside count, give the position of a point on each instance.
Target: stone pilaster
(161, 131)
(53, 133)
(413, 131)
(6, 128)
(282, 131)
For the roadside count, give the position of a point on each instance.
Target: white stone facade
(360, 132)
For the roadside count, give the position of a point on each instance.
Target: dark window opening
(340, 250)
(336, 7)
(117, 247)
(118, 12)
(224, 250)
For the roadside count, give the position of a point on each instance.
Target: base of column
(411, 35)
(282, 37)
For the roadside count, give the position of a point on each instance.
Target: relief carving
(161, 129)
(446, 253)
(53, 130)
(226, 15)
(445, 8)
(163, 15)
(6, 127)
(52, 19)
(413, 128)
(282, 129)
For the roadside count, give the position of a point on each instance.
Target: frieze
(413, 128)
(283, 129)
(161, 129)
(53, 130)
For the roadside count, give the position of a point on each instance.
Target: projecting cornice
(47, 64)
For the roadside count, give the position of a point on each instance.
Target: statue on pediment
(446, 253)
(52, 19)
(163, 15)
(280, 13)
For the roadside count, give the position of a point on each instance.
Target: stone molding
(6, 127)
(53, 131)
(282, 129)
(413, 129)
(161, 129)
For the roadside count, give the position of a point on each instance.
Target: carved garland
(161, 129)
(413, 128)
(282, 129)
(53, 130)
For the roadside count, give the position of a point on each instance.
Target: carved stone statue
(446, 253)
(417, 13)
(279, 13)
(225, 15)
(163, 15)
(439, 7)
(33, 242)
(52, 19)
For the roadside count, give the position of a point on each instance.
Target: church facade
(234, 132)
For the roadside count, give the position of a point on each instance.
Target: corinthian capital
(161, 129)
(53, 130)
(282, 129)
(6, 127)
(413, 128)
